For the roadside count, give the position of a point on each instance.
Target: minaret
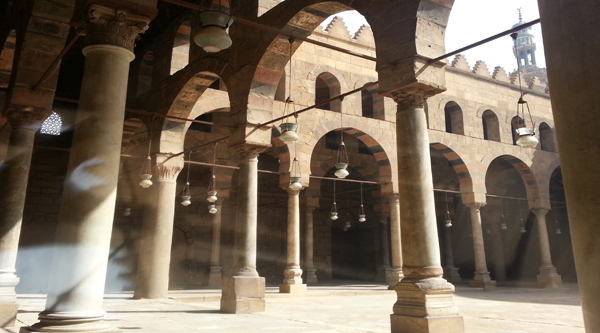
(524, 47)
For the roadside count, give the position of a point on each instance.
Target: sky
(473, 20)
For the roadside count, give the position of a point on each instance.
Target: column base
(311, 276)
(8, 300)
(71, 322)
(548, 278)
(215, 277)
(425, 306)
(295, 290)
(483, 280)
(8, 315)
(243, 294)
(486, 285)
(451, 274)
(394, 276)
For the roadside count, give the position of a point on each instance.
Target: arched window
(491, 129)
(327, 86)
(454, 118)
(546, 138)
(52, 125)
(516, 122)
(372, 102)
(181, 48)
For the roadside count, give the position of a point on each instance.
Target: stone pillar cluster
(243, 290)
(76, 280)
(152, 279)
(425, 299)
(292, 283)
(311, 273)
(482, 276)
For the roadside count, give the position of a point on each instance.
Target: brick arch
(461, 168)
(383, 169)
(527, 175)
(186, 88)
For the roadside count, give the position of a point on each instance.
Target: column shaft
(450, 272)
(415, 310)
(384, 234)
(152, 280)
(548, 277)
(292, 283)
(482, 276)
(14, 175)
(214, 276)
(244, 290)
(311, 276)
(76, 280)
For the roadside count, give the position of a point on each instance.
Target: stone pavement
(352, 308)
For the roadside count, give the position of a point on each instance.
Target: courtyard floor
(336, 307)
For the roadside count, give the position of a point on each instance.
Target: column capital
(410, 97)
(394, 197)
(249, 151)
(540, 212)
(104, 25)
(167, 167)
(292, 192)
(476, 205)
(312, 202)
(26, 117)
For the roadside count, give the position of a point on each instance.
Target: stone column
(482, 276)
(244, 291)
(573, 71)
(14, 173)
(77, 275)
(385, 247)
(424, 301)
(396, 273)
(548, 277)
(292, 283)
(156, 236)
(311, 272)
(214, 275)
(450, 271)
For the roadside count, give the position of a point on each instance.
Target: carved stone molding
(102, 25)
(410, 97)
(475, 205)
(26, 119)
(248, 152)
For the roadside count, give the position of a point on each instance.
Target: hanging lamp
(526, 135)
(146, 171)
(342, 159)
(347, 225)
(295, 177)
(213, 36)
(289, 130)
(211, 192)
(523, 230)
(503, 223)
(448, 221)
(361, 212)
(556, 226)
(185, 193)
(333, 212)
